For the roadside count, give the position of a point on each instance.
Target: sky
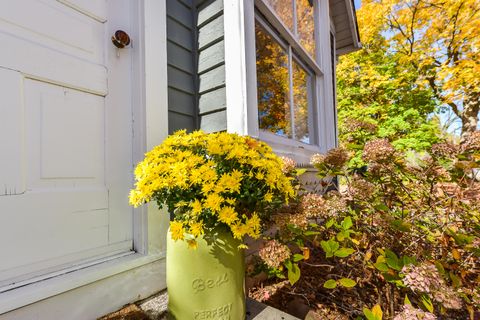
(358, 3)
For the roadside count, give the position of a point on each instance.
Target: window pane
(284, 10)
(306, 25)
(272, 85)
(301, 100)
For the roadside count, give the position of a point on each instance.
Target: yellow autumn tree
(441, 40)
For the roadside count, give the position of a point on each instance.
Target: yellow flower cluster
(210, 180)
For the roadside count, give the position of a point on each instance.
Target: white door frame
(150, 127)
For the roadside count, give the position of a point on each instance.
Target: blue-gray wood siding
(196, 65)
(212, 115)
(181, 65)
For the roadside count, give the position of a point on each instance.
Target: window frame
(324, 135)
(292, 57)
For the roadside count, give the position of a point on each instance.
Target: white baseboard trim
(87, 293)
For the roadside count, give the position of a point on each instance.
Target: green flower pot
(207, 282)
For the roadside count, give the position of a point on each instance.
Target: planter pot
(206, 283)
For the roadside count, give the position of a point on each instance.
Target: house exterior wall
(211, 66)
(181, 64)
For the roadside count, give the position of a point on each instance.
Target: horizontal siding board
(180, 12)
(343, 43)
(211, 56)
(177, 121)
(212, 79)
(214, 122)
(208, 10)
(188, 3)
(343, 34)
(181, 102)
(339, 8)
(211, 101)
(210, 33)
(180, 80)
(179, 34)
(180, 57)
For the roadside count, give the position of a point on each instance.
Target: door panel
(66, 133)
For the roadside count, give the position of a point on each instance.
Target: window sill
(296, 150)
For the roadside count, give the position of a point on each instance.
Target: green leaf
(456, 281)
(326, 247)
(299, 172)
(427, 302)
(293, 273)
(381, 207)
(297, 257)
(340, 236)
(440, 267)
(381, 266)
(400, 225)
(311, 233)
(393, 261)
(329, 223)
(369, 314)
(344, 252)
(375, 314)
(334, 245)
(409, 260)
(347, 223)
(347, 283)
(330, 284)
(406, 300)
(288, 264)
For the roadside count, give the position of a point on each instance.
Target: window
(286, 69)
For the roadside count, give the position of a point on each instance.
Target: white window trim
(150, 128)
(247, 100)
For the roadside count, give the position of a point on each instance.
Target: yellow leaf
(368, 255)
(306, 253)
(456, 254)
(377, 311)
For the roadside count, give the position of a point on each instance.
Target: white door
(65, 135)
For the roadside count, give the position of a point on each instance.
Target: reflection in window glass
(272, 85)
(306, 25)
(284, 10)
(301, 97)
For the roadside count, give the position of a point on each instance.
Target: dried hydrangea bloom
(447, 298)
(422, 278)
(313, 205)
(288, 165)
(335, 204)
(378, 150)
(336, 157)
(425, 278)
(274, 253)
(445, 149)
(298, 220)
(410, 313)
(317, 159)
(440, 172)
(361, 189)
(354, 125)
(472, 142)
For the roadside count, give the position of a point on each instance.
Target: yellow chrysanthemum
(227, 215)
(177, 230)
(213, 202)
(268, 197)
(253, 226)
(196, 206)
(196, 228)
(239, 230)
(192, 244)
